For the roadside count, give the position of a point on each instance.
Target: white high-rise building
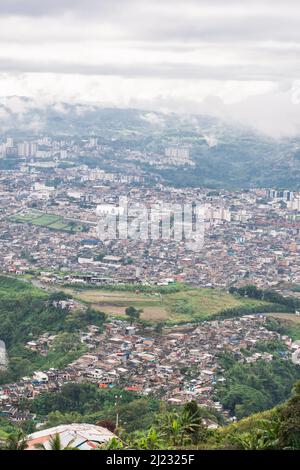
(294, 205)
(27, 149)
(93, 142)
(178, 155)
(216, 213)
(9, 142)
(283, 194)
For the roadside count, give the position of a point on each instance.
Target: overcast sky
(237, 59)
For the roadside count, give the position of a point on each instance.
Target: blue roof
(91, 241)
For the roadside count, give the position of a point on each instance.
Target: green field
(288, 317)
(187, 305)
(10, 287)
(51, 221)
(286, 324)
(59, 225)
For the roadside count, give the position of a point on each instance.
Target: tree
(159, 328)
(181, 428)
(289, 431)
(107, 423)
(193, 420)
(265, 437)
(133, 313)
(16, 441)
(112, 444)
(56, 417)
(151, 440)
(171, 428)
(66, 342)
(58, 296)
(72, 225)
(56, 444)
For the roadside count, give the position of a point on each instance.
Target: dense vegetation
(180, 427)
(253, 292)
(27, 312)
(284, 327)
(87, 403)
(278, 428)
(254, 387)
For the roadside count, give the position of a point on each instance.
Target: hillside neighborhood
(180, 364)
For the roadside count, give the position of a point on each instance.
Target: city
(49, 219)
(150, 231)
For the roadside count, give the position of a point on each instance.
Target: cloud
(54, 7)
(153, 119)
(232, 58)
(271, 112)
(163, 71)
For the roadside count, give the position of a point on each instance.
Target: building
(283, 195)
(294, 205)
(178, 156)
(9, 142)
(3, 355)
(80, 436)
(27, 149)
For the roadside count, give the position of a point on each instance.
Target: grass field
(290, 317)
(289, 324)
(51, 221)
(12, 287)
(181, 307)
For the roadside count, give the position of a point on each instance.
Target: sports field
(50, 221)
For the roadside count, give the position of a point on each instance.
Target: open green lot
(286, 324)
(289, 317)
(187, 305)
(51, 221)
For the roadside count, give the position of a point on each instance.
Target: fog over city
(235, 60)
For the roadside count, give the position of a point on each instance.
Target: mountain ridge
(224, 154)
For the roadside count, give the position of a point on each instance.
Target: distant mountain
(225, 155)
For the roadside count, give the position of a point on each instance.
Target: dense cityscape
(52, 206)
(150, 231)
(50, 213)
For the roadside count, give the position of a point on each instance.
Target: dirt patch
(148, 314)
(286, 316)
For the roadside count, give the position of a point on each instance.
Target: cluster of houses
(176, 365)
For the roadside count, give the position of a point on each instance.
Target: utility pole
(118, 398)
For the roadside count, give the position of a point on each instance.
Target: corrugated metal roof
(83, 436)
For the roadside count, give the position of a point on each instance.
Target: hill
(26, 312)
(225, 155)
(278, 428)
